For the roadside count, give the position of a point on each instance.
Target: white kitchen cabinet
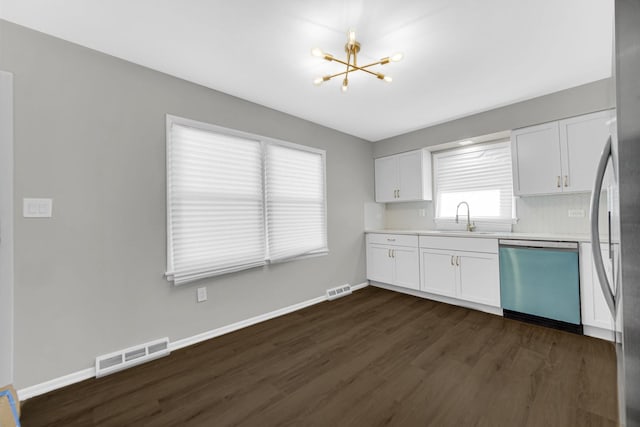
(594, 310)
(403, 177)
(451, 267)
(479, 278)
(380, 265)
(439, 274)
(582, 140)
(560, 156)
(535, 153)
(393, 259)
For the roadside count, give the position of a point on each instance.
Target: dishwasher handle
(539, 244)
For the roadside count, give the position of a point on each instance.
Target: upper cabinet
(403, 177)
(559, 157)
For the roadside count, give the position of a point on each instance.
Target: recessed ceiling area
(460, 56)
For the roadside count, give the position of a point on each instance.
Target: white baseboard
(453, 301)
(596, 332)
(85, 374)
(359, 286)
(56, 383)
(185, 342)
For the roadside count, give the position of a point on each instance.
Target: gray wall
(89, 133)
(6, 228)
(583, 99)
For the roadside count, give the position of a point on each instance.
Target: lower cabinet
(594, 310)
(461, 274)
(393, 259)
(439, 272)
(466, 269)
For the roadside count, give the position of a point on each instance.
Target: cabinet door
(582, 140)
(407, 267)
(410, 176)
(386, 179)
(535, 154)
(438, 272)
(379, 263)
(479, 278)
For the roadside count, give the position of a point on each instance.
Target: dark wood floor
(370, 359)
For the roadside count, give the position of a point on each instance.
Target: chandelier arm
(348, 64)
(358, 68)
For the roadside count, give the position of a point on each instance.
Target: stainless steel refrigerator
(622, 155)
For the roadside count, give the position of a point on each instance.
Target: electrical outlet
(202, 294)
(576, 213)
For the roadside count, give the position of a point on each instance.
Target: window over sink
(479, 175)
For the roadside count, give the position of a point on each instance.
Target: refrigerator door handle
(609, 296)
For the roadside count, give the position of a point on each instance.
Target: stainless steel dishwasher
(540, 283)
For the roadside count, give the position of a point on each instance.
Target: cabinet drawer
(393, 239)
(469, 244)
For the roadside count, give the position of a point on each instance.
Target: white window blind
(295, 202)
(237, 201)
(215, 203)
(479, 175)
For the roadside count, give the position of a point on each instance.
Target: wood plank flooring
(375, 358)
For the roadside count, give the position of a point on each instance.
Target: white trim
(7, 335)
(195, 339)
(85, 374)
(56, 383)
(359, 286)
(601, 333)
(453, 301)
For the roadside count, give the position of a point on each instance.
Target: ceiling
(460, 56)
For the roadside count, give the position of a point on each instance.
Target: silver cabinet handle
(388, 253)
(393, 253)
(452, 260)
(398, 194)
(458, 260)
(566, 180)
(558, 181)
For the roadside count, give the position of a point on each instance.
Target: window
(295, 196)
(480, 176)
(237, 201)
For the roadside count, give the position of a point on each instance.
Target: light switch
(37, 208)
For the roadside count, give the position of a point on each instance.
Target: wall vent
(338, 292)
(132, 356)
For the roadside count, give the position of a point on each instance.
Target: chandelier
(352, 48)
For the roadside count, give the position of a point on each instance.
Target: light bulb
(344, 88)
(318, 81)
(345, 85)
(352, 36)
(316, 51)
(396, 57)
(388, 79)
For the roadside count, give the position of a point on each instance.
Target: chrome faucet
(470, 225)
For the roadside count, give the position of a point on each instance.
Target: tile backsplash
(536, 214)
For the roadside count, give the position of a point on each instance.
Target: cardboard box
(9, 407)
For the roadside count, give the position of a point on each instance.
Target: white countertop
(491, 235)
